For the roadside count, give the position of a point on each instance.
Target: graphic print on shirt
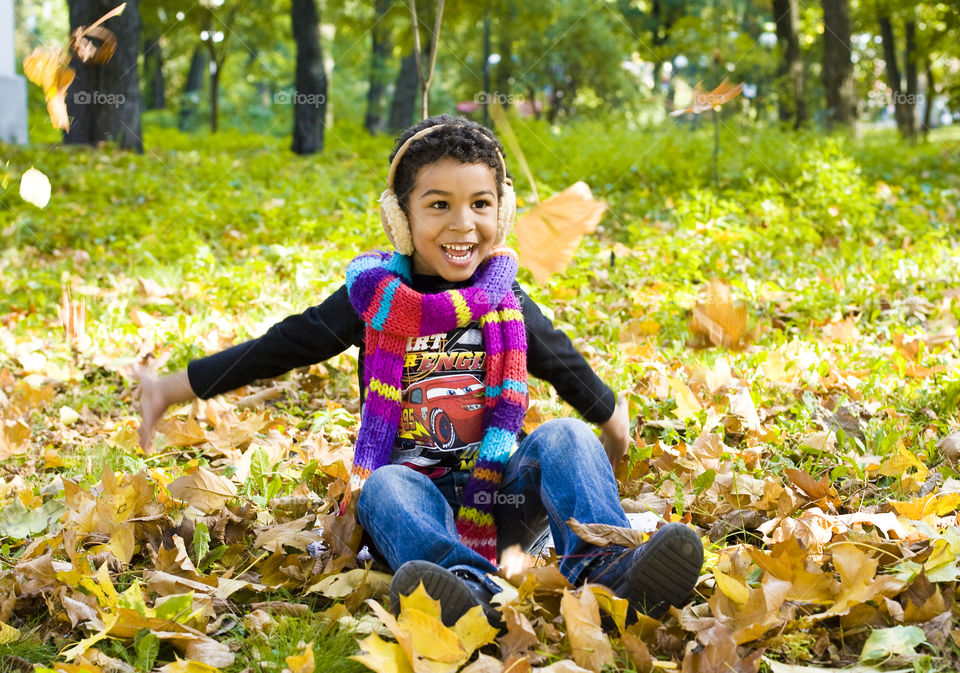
(441, 424)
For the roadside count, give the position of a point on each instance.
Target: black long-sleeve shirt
(331, 327)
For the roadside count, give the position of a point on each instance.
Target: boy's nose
(462, 219)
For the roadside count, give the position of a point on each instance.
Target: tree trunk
(904, 123)
(214, 87)
(910, 61)
(790, 68)
(310, 99)
(192, 88)
(928, 102)
(104, 100)
(378, 68)
(505, 35)
(837, 66)
(405, 94)
(154, 98)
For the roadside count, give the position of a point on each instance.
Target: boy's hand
(156, 394)
(615, 433)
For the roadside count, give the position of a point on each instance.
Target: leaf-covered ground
(788, 340)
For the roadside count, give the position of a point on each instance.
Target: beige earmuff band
(395, 222)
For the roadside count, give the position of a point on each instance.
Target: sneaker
(457, 591)
(660, 573)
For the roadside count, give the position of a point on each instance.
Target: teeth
(460, 247)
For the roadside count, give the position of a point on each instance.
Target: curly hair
(462, 139)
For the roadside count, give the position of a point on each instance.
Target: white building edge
(13, 87)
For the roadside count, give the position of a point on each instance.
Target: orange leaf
(548, 233)
(712, 100)
(49, 69)
(722, 321)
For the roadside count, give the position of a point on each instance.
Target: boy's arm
(315, 335)
(552, 357)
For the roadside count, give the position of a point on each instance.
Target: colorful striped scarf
(378, 285)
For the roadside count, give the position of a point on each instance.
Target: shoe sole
(441, 585)
(667, 572)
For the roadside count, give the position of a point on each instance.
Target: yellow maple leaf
(382, 656)
(8, 634)
(431, 639)
(473, 630)
(733, 588)
(181, 666)
(420, 600)
(303, 662)
(687, 403)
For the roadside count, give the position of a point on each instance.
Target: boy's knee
(571, 431)
(568, 439)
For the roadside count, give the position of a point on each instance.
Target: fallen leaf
(894, 641)
(604, 535)
(382, 656)
(203, 489)
(589, 645)
(8, 634)
(687, 403)
(180, 666)
(345, 583)
(303, 662)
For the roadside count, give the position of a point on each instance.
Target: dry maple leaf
(589, 645)
(718, 319)
(710, 100)
(604, 535)
(50, 68)
(548, 234)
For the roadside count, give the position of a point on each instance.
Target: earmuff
(395, 222)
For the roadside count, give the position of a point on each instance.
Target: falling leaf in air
(710, 100)
(35, 188)
(50, 68)
(548, 234)
(719, 320)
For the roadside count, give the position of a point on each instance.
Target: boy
(447, 337)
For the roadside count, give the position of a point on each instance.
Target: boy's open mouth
(458, 252)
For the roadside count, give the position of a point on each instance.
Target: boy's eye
(481, 203)
(438, 204)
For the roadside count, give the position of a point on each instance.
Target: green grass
(238, 233)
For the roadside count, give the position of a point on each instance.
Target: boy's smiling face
(453, 218)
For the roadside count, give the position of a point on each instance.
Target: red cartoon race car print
(450, 408)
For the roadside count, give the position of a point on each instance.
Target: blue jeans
(558, 472)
